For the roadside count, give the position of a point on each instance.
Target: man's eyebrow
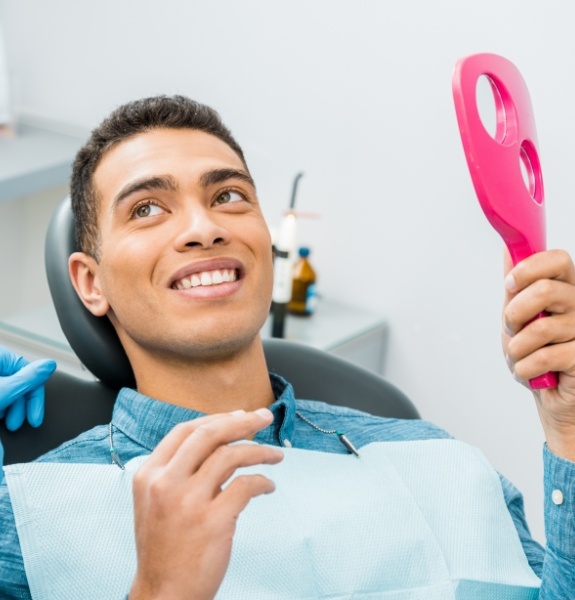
(161, 182)
(215, 176)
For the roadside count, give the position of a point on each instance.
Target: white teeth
(206, 278)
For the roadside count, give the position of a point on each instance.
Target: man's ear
(83, 271)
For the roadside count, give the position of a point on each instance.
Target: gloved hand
(22, 390)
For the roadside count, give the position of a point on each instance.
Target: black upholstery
(93, 339)
(74, 405)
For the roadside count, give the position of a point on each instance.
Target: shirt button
(557, 497)
(287, 444)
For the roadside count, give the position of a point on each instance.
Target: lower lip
(210, 292)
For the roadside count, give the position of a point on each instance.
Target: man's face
(185, 264)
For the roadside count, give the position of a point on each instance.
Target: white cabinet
(34, 160)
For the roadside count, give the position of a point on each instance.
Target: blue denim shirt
(139, 423)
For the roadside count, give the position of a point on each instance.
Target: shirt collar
(147, 421)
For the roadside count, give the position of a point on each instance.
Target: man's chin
(222, 349)
(205, 348)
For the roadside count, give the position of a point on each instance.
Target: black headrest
(93, 339)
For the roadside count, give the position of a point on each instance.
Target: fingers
(543, 282)
(558, 357)
(165, 450)
(35, 398)
(15, 414)
(225, 460)
(22, 391)
(212, 435)
(203, 450)
(533, 345)
(233, 500)
(184, 520)
(10, 362)
(22, 394)
(543, 331)
(35, 406)
(551, 264)
(546, 295)
(26, 378)
(240, 425)
(194, 440)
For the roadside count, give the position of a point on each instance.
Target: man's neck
(239, 381)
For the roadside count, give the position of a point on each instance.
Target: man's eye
(229, 197)
(147, 210)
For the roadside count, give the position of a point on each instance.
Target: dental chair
(75, 405)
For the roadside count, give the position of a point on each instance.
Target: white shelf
(35, 159)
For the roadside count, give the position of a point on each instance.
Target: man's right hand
(184, 521)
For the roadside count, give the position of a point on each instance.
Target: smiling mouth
(206, 278)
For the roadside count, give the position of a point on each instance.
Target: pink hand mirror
(504, 167)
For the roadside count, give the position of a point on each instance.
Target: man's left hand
(544, 282)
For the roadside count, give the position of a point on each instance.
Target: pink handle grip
(545, 381)
(514, 208)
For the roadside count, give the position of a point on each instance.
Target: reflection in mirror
(489, 104)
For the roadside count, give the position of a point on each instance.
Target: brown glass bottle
(303, 299)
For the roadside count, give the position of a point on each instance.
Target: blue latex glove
(22, 390)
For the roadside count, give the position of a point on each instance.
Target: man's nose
(200, 228)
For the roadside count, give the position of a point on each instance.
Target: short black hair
(128, 120)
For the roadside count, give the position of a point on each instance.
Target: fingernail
(510, 284)
(265, 413)
(508, 331)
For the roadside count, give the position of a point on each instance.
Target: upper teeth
(206, 278)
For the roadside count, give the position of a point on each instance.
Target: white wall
(358, 95)
(23, 225)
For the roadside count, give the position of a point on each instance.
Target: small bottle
(303, 299)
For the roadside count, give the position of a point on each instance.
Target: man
(176, 253)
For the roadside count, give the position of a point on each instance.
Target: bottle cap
(304, 251)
